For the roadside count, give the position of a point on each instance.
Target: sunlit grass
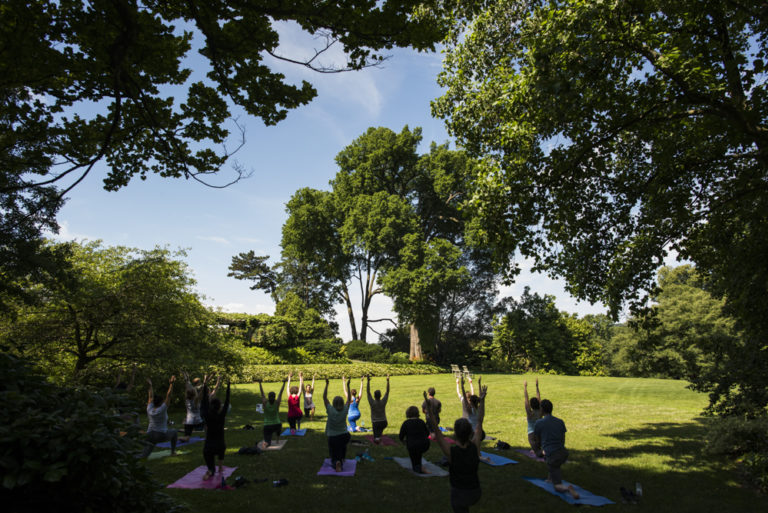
(620, 431)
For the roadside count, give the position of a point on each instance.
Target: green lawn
(619, 431)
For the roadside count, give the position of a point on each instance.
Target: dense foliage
(61, 449)
(615, 131)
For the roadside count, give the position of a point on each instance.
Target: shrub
(359, 350)
(274, 373)
(401, 358)
(61, 449)
(747, 441)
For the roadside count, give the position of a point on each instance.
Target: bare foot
(338, 466)
(425, 471)
(573, 492)
(207, 476)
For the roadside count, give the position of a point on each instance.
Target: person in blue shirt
(551, 432)
(354, 406)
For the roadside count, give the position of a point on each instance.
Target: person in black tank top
(464, 457)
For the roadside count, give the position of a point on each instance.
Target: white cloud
(65, 234)
(251, 240)
(254, 308)
(219, 240)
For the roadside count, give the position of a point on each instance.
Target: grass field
(620, 431)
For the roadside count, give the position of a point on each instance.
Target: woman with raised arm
(336, 426)
(378, 410)
(470, 404)
(309, 404)
(533, 413)
(193, 420)
(294, 410)
(157, 413)
(271, 405)
(214, 413)
(463, 457)
(354, 406)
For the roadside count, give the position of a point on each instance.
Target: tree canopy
(112, 81)
(614, 132)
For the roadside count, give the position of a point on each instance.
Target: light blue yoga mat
(496, 460)
(298, 432)
(192, 440)
(585, 497)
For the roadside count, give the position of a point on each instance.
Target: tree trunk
(415, 344)
(349, 311)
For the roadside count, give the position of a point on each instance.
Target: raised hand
(483, 392)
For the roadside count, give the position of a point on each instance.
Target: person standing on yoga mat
(415, 433)
(354, 406)
(551, 431)
(214, 414)
(533, 413)
(309, 404)
(378, 410)
(436, 406)
(294, 410)
(336, 426)
(193, 420)
(157, 412)
(271, 405)
(464, 457)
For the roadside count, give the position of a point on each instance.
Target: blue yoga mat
(496, 460)
(298, 432)
(586, 497)
(180, 443)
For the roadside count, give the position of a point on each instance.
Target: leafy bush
(401, 358)
(335, 371)
(359, 350)
(329, 348)
(746, 440)
(61, 449)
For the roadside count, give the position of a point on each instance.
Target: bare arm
(480, 417)
(459, 391)
(368, 390)
(312, 387)
(325, 394)
(344, 388)
(471, 387)
(290, 374)
(360, 395)
(525, 395)
(463, 395)
(538, 393)
(280, 395)
(439, 438)
(263, 397)
(386, 394)
(301, 383)
(151, 392)
(216, 388)
(170, 389)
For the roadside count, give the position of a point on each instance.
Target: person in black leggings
(214, 413)
(464, 457)
(415, 433)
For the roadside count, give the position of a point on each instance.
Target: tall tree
(116, 305)
(84, 82)
(613, 132)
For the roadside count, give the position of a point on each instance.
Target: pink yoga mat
(385, 440)
(195, 479)
(447, 439)
(328, 470)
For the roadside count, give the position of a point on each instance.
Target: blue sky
(215, 224)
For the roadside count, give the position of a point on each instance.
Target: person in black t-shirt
(214, 413)
(416, 436)
(463, 457)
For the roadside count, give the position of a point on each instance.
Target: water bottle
(638, 489)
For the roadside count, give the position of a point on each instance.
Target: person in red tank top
(294, 405)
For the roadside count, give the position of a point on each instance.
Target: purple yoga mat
(192, 440)
(328, 470)
(385, 440)
(195, 479)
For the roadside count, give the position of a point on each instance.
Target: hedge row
(272, 373)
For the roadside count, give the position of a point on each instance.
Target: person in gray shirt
(551, 431)
(378, 410)
(157, 412)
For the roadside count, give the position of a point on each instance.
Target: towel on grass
(530, 454)
(195, 479)
(426, 465)
(585, 497)
(496, 460)
(192, 440)
(328, 470)
(156, 455)
(385, 440)
(274, 446)
(298, 432)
